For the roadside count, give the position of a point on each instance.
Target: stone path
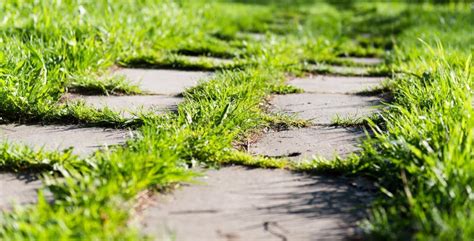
(163, 87)
(237, 204)
(233, 203)
(325, 98)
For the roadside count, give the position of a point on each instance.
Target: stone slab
(161, 81)
(307, 143)
(241, 204)
(336, 84)
(18, 189)
(129, 105)
(323, 108)
(364, 60)
(55, 137)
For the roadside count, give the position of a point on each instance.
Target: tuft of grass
(285, 89)
(115, 85)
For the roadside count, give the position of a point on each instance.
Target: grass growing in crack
(115, 85)
(285, 89)
(21, 158)
(348, 121)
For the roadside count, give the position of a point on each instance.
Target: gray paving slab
(55, 137)
(18, 189)
(129, 105)
(364, 60)
(336, 84)
(307, 143)
(161, 81)
(323, 108)
(241, 204)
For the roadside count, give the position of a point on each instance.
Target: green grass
(420, 155)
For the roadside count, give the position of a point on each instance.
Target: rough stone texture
(258, 204)
(323, 108)
(18, 189)
(336, 84)
(306, 143)
(134, 104)
(365, 61)
(166, 82)
(84, 140)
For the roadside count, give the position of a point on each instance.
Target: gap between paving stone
(242, 204)
(329, 98)
(21, 188)
(163, 87)
(348, 70)
(364, 60)
(129, 105)
(261, 204)
(214, 60)
(165, 83)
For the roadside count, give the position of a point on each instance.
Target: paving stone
(55, 137)
(128, 105)
(241, 204)
(365, 61)
(336, 84)
(161, 81)
(323, 108)
(306, 143)
(18, 189)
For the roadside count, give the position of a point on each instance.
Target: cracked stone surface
(56, 137)
(336, 84)
(323, 108)
(241, 204)
(162, 81)
(129, 105)
(18, 189)
(306, 143)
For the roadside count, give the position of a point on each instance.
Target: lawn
(420, 155)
